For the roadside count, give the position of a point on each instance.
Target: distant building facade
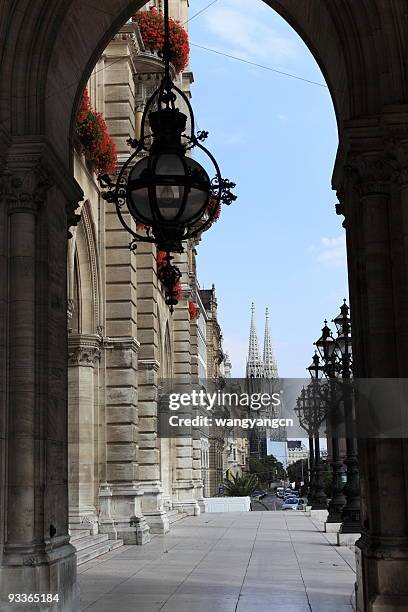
(296, 451)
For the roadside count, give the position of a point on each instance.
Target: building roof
(206, 296)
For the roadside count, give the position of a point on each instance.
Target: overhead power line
(199, 12)
(241, 59)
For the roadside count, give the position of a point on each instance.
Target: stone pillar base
(332, 527)
(157, 521)
(135, 531)
(189, 507)
(52, 572)
(347, 539)
(319, 515)
(80, 518)
(203, 505)
(381, 572)
(121, 516)
(388, 603)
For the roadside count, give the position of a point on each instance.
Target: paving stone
(242, 562)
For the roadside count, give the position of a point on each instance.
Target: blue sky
(280, 244)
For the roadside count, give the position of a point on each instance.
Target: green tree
(268, 469)
(299, 471)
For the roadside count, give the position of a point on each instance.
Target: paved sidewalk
(237, 562)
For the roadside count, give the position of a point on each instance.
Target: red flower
(160, 259)
(178, 291)
(151, 26)
(193, 310)
(214, 206)
(95, 141)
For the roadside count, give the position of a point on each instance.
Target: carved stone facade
(125, 479)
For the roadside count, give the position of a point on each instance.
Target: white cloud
(332, 252)
(241, 31)
(281, 117)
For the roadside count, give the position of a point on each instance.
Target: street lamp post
(311, 488)
(326, 346)
(311, 411)
(318, 398)
(343, 350)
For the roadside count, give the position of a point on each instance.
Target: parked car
(288, 495)
(258, 494)
(291, 503)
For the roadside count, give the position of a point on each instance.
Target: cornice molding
(124, 342)
(148, 364)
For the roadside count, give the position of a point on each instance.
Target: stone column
(36, 556)
(183, 486)
(120, 496)
(149, 451)
(375, 214)
(198, 433)
(83, 357)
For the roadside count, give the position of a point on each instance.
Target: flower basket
(178, 291)
(193, 310)
(94, 140)
(214, 205)
(151, 26)
(160, 259)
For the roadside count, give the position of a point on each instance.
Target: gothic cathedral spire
(269, 362)
(254, 367)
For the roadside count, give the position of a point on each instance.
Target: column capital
(371, 174)
(397, 145)
(84, 350)
(32, 168)
(25, 190)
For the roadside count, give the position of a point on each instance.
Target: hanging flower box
(94, 140)
(193, 310)
(178, 291)
(151, 26)
(214, 205)
(160, 259)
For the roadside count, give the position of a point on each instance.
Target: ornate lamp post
(161, 187)
(311, 413)
(319, 397)
(343, 352)
(299, 411)
(326, 347)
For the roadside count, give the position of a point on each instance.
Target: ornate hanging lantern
(161, 186)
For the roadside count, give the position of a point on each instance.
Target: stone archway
(84, 353)
(47, 52)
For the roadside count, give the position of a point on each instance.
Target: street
(268, 503)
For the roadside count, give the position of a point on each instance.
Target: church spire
(254, 363)
(269, 362)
